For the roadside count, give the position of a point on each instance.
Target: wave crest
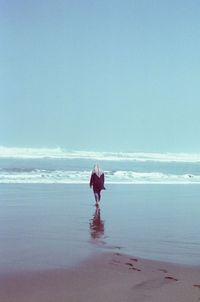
(56, 153)
(76, 177)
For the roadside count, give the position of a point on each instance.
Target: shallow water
(159, 222)
(49, 170)
(56, 226)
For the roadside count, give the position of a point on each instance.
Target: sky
(100, 75)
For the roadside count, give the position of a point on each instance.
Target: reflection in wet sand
(96, 225)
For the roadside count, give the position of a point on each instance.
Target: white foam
(76, 177)
(31, 153)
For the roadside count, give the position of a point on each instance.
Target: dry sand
(111, 277)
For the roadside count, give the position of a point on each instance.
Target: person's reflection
(96, 225)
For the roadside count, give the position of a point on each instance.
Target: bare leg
(99, 196)
(96, 198)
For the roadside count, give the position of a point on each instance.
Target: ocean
(29, 165)
(48, 220)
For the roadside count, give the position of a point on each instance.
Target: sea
(48, 219)
(33, 165)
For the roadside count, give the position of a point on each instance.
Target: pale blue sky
(100, 75)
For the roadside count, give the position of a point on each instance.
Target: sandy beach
(109, 277)
(57, 247)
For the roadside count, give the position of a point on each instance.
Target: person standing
(97, 182)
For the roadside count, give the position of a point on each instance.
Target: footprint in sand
(135, 269)
(163, 270)
(132, 267)
(115, 261)
(171, 278)
(128, 263)
(196, 285)
(117, 254)
(134, 259)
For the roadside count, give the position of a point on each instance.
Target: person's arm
(103, 178)
(91, 180)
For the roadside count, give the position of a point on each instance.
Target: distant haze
(100, 75)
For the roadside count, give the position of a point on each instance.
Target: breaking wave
(55, 153)
(43, 165)
(77, 177)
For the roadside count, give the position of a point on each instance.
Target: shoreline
(110, 277)
(54, 225)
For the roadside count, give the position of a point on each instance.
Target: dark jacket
(97, 182)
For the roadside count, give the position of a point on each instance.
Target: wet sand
(108, 277)
(56, 246)
(56, 226)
